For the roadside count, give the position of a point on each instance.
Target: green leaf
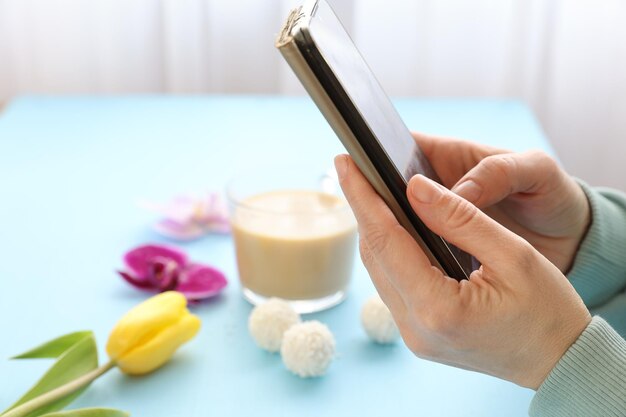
(76, 361)
(89, 412)
(56, 347)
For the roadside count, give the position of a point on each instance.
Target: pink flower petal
(164, 274)
(143, 283)
(215, 204)
(189, 217)
(214, 216)
(181, 208)
(200, 282)
(140, 261)
(216, 225)
(179, 231)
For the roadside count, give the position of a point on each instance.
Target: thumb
(460, 222)
(497, 176)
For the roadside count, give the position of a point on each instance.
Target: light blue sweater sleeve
(590, 379)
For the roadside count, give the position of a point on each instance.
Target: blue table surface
(71, 172)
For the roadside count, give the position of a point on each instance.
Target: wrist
(561, 343)
(557, 332)
(589, 379)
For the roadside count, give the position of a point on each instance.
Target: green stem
(59, 392)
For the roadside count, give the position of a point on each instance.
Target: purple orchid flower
(162, 268)
(188, 217)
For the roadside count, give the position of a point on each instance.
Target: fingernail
(341, 165)
(469, 190)
(425, 190)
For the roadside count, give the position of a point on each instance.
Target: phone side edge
(296, 61)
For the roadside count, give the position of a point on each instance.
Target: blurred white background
(565, 58)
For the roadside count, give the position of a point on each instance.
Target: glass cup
(295, 237)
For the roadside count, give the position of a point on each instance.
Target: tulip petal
(140, 260)
(144, 321)
(201, 281)
(160, 347)
(179, 231)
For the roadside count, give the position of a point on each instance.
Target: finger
(391, 245)
(386, 290)
(451, 158)
(498, 176)
(460, 222)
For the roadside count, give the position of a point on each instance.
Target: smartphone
(321, 53)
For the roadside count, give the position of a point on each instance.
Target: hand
(525, 192)
(514, 318)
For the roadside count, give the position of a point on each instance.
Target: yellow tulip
(149, 334)
(144, 339)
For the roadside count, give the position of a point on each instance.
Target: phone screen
(367, 95)
(361, 87)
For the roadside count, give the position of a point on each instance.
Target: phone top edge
(297, 23)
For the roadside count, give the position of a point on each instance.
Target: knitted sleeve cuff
(599, 269)
(589, 380)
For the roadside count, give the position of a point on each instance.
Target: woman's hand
(528, 193)
(514, 318)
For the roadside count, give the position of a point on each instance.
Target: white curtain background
(565, 58)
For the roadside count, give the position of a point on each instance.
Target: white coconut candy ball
(378, 322)
(269, 321)
(308, 348)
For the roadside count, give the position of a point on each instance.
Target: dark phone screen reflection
(373, 104)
